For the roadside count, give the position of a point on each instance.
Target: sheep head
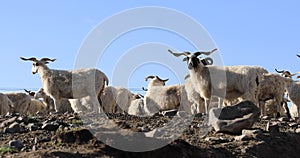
(156, 81)
(37, 63)
(285, 73)
(39, 94)
(193, 60)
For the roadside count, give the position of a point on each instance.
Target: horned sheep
(271, 92)
(239, 81)
(293, 89)
(49, 103)
(137, 106)
(160, 97)
(71, 84)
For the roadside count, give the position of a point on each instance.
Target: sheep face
(37, 64)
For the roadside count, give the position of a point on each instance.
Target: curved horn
(144, 89)
(146, 79)
(279, 71)
(27, 91)
(26, 59)
(162, 79)
(298, 55)
(187, 76)
(47, 59)
(179, 54)
(205, 53)
(207, 61)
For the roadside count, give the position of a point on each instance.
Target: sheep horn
(205, 53)
(26, 59)
(47, 59)
(144, 89)
(207, 61)
(162, 79)
(179, 54)
(298, 55)
(279, 71)
(146, 79)
(187, 76)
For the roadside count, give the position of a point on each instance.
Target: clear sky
(264, 33)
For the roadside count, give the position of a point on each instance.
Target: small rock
(15, 144)
(243, 138)
(33, 127)
(272, 128)
(293, 124)
(8, 122)
(297, 130)
(265, 117)
(34, 148)
(283, 119)
(50, 127)
(169, 112)
(14, 128)
(252, 133)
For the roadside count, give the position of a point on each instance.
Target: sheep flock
(83, 90)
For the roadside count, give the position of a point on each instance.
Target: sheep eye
(37, 64)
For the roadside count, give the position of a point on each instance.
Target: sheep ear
(185, 59)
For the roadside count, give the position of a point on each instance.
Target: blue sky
(264, 33)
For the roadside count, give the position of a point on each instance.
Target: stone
(169, 112)
(265, 117)
(33, 127)
(233, 119)
(297, 130)
(14, 128)
(8, 122)
(16, 144)
(50, 127)
(254, 133)
(283, 119)
(272, 128)
(293, 124)
(243, 138)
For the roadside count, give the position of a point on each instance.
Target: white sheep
(35, 105)
(71, 84)
(293, 89)
(116, 99)
(6, 104)
(21, 102)
(228, 82)
(137, 107)
(49, 103)
(159, 97)
(271, 92)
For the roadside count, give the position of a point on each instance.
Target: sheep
(35, 105)
(241, 81)
(271, 92)
(21, 102)
(160, 97)
(137, 107)
(49, 103)
(71, 84)
(116, 99)
(6, 104)
(293, 89)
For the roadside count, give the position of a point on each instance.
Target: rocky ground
(66, 135)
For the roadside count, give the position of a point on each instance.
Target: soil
(73, 139)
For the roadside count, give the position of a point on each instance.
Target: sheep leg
(262, 108)
(57, 104)
(206, 102)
